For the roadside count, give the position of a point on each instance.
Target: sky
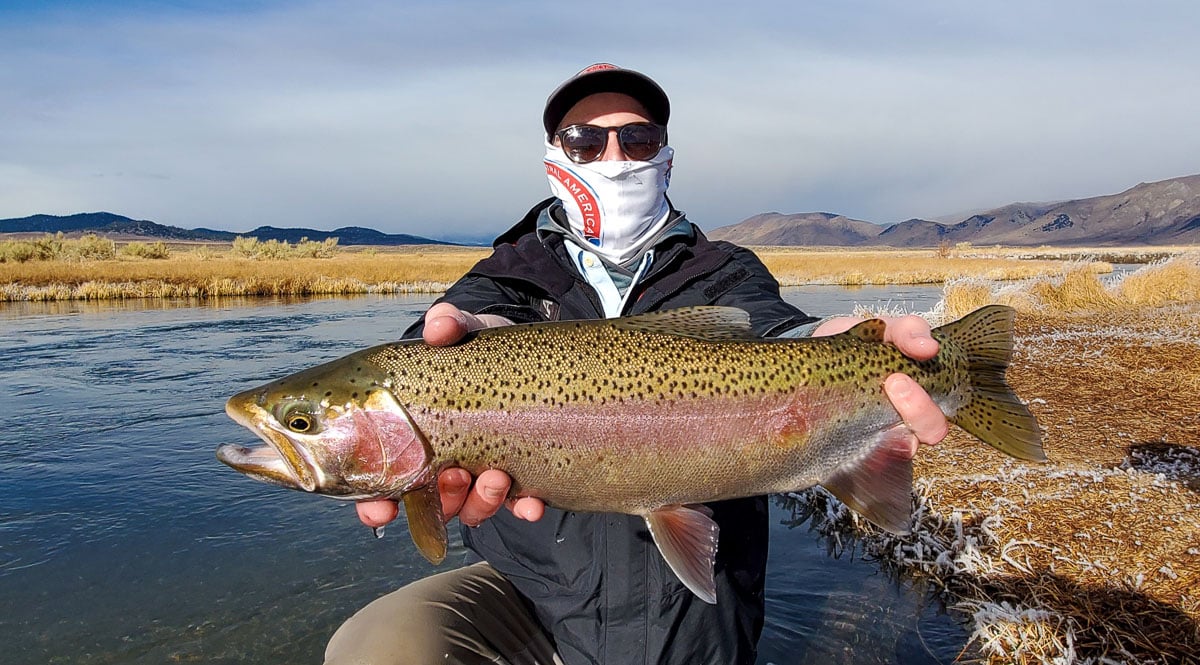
(425, 117)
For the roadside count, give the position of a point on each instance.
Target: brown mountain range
(1156, 213)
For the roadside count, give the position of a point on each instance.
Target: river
(123, 540)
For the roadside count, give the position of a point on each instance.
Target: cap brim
(624, 81)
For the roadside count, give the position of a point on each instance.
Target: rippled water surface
(123, 540)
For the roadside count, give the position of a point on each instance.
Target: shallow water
(123, 540)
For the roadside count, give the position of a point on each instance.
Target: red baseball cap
(605, 77)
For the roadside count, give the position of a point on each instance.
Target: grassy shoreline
(211, 272)
(1093, 557)
(92, 268)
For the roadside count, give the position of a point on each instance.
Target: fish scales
(646, 415)
(586, 431)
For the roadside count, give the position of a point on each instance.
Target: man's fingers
(911, 334)
(485, 498)
(453, 484)
(473, 504)
(445, 324)
(378, 512)
(528, 508)
(839, 324)
(916, 409)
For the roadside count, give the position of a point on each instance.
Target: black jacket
(596, 581)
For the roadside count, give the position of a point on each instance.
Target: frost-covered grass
(1026, 599)
(1093, 557)
(1078, 288)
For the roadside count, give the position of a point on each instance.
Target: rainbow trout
(650, 415)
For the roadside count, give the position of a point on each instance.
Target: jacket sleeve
(758, 293)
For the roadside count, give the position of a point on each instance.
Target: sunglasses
(640, 141)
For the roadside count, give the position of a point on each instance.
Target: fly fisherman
(548, 586)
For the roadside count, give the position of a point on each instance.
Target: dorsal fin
(870, 330)
(710, 323)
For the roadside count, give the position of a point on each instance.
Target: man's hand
(446, 324)
(472, 500)
(912, 336)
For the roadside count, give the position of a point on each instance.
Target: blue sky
(424, 117)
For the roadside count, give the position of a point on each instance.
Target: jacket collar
(524, 253)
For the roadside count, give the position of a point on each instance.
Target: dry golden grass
(1164, 283)
(1139, 254)
(1076, 288)
(1102, 541)
(794, 266)
(217, 270)
(1093, 557)
(208, 274)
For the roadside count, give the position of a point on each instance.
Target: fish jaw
(365, 449)
(280, 462)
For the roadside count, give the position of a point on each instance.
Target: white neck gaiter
(617, 208)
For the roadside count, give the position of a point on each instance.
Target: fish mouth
(281, 462)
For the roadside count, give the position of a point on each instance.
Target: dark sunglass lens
(641, 142)
(583, 143)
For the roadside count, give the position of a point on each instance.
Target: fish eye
(298, 420)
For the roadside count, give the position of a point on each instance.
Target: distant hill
(814, 228)
(109, 224)
(1157, 213)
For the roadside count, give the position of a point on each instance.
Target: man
(559, 587)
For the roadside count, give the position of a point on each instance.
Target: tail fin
(992, 412)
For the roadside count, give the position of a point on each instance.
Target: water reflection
(843, 605)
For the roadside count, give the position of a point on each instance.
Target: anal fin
(687, 538)
(879, 486)
(423, 508)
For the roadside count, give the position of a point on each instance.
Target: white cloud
(425, 118)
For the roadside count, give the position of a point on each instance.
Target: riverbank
(1093, 557)
(91, 268)
(210, 271)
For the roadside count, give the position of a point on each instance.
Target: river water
(123, 540)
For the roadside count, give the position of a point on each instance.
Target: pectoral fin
(879, 486)
(687, 537)
(423, 503)
(423, 507)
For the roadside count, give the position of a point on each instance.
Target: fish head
(336, 429)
